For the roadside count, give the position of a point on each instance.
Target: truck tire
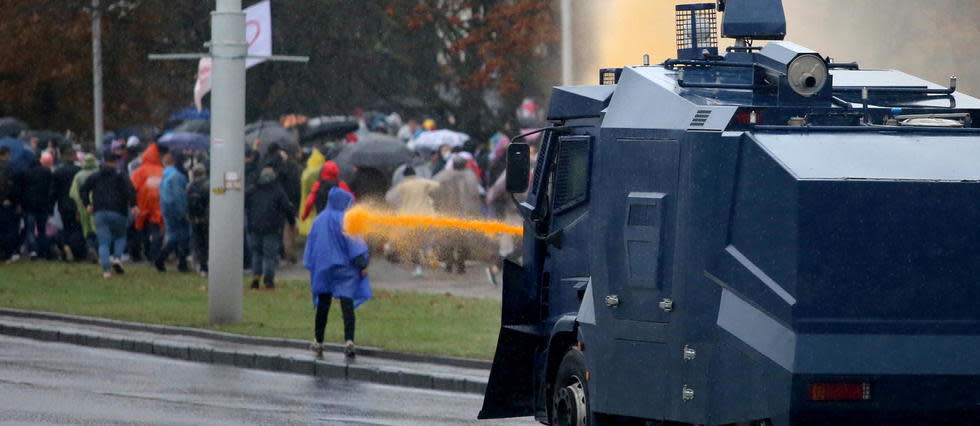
(570, 392)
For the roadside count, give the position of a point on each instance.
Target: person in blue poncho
(338, 268)
(173, 204)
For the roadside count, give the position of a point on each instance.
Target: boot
(255, 282)
(317, 349)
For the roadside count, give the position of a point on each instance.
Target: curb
(248, 340)
(275, 363)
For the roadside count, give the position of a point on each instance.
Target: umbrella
(436, 138)
(21, 155)
(194, 126)
(191, 114)
(11, 127)
(185, 140)
(270, 132)
(374, 151)
(329, 128)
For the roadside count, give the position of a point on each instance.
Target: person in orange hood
(149, 221)
(329, 178)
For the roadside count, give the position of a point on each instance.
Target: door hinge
(687, 393)
(689, 353)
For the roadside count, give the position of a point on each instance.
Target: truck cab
(755, 236)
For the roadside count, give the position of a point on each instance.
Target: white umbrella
(436, 138)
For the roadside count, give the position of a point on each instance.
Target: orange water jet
(361, 221)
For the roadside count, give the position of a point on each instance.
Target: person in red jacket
(329, 178)
(149, 220)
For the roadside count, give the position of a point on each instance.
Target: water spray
(361, 221)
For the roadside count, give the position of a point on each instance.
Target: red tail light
(840, 391)
(748, 117)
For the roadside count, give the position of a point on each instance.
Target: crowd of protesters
(137, 200)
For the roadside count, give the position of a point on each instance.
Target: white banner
(258, 32)
(203, 84)
(258, 35)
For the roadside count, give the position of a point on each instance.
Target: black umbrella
(374, 151)
(270, 132)
(328, 128)
(11, 127)
(194, 126)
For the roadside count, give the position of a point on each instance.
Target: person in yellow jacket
(413, 196)
(309, 177)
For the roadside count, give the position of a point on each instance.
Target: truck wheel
(570, 394)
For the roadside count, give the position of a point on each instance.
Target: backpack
(198, 199)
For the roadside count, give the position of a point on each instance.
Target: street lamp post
(566, 43)
(97, 72)
(225, 252)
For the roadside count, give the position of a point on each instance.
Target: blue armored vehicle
(754, 236)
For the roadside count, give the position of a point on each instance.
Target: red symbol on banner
(255, 33)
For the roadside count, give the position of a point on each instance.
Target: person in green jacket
(309, 177)
(89, 165)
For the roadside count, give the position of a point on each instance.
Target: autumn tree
(493, 53)
(471, 59)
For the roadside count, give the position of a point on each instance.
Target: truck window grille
(697, 28)
(572, 173)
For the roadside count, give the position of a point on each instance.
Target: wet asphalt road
(53, 383)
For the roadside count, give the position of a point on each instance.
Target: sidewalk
(282, 355)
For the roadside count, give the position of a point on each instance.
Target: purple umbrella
(185, 141)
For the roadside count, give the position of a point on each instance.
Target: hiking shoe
(255, 284)
(317, 349)
(349, 350)
(117, 267)
(270, 286)
(160, 265)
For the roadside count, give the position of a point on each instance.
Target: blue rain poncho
(330, 254)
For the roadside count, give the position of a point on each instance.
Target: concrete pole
(225, 257)
(97, 72)
(567, 72)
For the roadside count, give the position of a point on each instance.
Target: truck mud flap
(510, 390)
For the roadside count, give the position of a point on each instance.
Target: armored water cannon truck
(753, 236)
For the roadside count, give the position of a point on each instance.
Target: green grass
(399, 321)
